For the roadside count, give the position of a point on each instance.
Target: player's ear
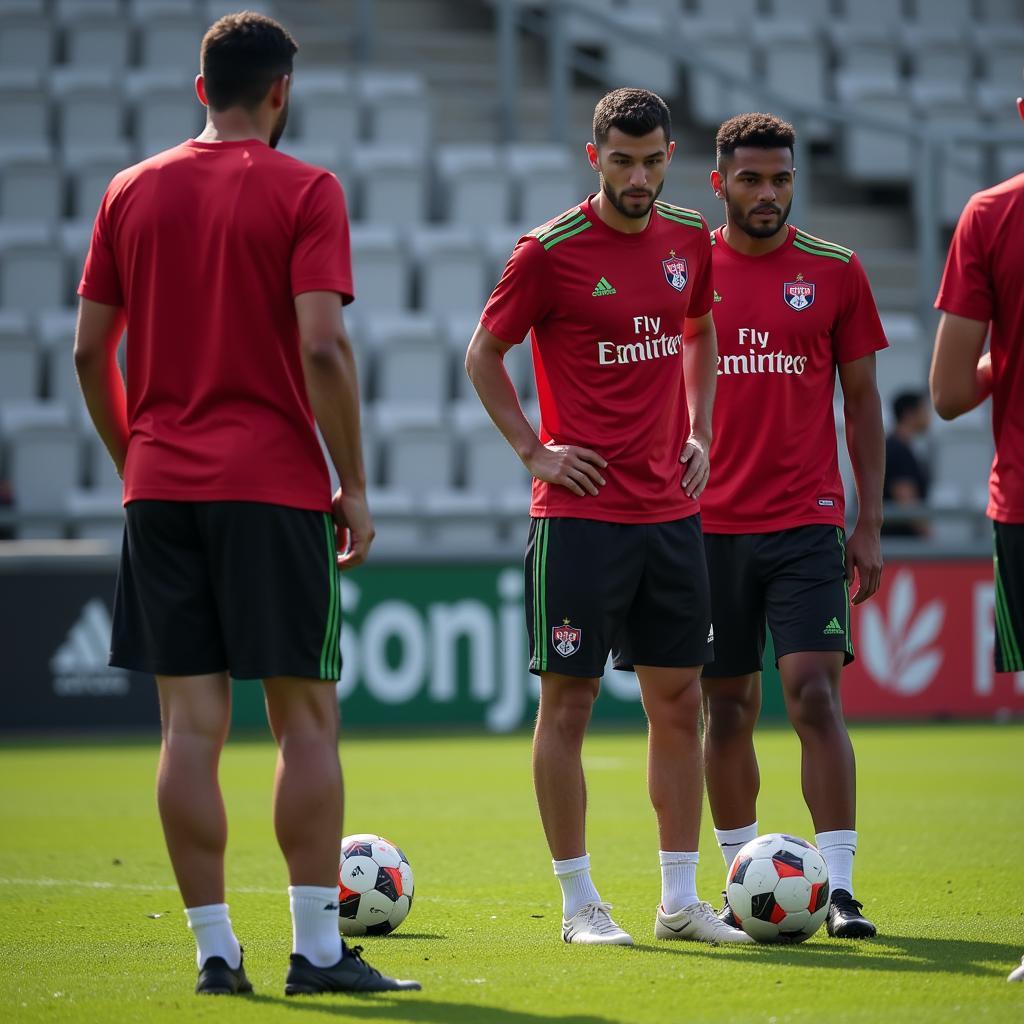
(671, 150)
(201, 90)
(592, 155)
(1020, 107)
(279, 91)
(717, 182)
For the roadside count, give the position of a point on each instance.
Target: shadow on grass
(412, 1007)
(405, 936)
(886, 953)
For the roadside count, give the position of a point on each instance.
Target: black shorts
(1009, 579)
(639, 590)
(796, 578)
(240, 586)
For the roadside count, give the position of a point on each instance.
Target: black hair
(761, 131)
(633, 111)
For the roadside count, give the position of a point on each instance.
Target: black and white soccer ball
(778, 888)
(375, 885)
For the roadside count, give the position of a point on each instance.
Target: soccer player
(982, 290)
(790, 310)
(616, 293)
(229, 264)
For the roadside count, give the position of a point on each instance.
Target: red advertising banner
(924, 646)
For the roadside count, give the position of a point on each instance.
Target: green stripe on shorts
(330, 652)
(846, 589)
(1009, 647)
(540, 608)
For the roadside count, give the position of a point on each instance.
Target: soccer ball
(778, 889)
(374, 886)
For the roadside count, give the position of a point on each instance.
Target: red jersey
(984, 280)
(605, 311)
(784, 321)
(205, 247)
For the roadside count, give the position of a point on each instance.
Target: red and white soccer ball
(375, 885)
(778, 889)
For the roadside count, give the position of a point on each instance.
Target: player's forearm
(102, 386)
(332, 383)
(498, 396)
(700, 369)
(865, 439)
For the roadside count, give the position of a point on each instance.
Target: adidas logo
(79, 665)
(603, 287)
(718, 298)
(833, 628)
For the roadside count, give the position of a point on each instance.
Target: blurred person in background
(229, 264)
(982, 296)
(907, 477)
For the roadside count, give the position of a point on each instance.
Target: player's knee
(728, 715)
(815, 703)
(678, 709)
(569, 716)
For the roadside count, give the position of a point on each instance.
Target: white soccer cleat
(1017, 974)
(592, 925)
(699, 923)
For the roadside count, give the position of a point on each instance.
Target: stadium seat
(872, 13)
(43, 460)
(324, 110)
(583, 31)
(24, 108)
(168, 38)
(100, 474)
(634, 64)
(31, 185)
(74, 236)
(452, 275)
(938, 54)
(418, 461)
(998, 47)
(32, 272)
(397, 108)
(20, 376)
(545, 181)
(90, 169)
(957, 14)
(391, 184)
(868, 58)
(166, 110)
(26, 41)
(493, 469)
(1001, 12)
(90, 106)
(795, 65)
(411, 380)
(711, 99)
(95, 34)
(813, 12)
(472, 184)
(57, 337)
(460, 520)
(97, 515)
(871, 154)
(381, 268)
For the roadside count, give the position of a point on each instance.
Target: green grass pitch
(92, 928)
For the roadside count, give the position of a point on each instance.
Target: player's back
(208, 243)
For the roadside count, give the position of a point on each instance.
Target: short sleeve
(966, 288)
(101, 281)
(703, 282)
(322, 254)
(858, 330)
(521, 297)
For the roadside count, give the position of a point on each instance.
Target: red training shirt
(784, 321)
(605, 310)
(205, 246)
(984, 280)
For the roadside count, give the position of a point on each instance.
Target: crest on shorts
(675, 271)
(798, 294)
(566, 638)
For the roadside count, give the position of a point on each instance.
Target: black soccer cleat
(217, 979)
(845, 920)
(725, 915)
(350, 974)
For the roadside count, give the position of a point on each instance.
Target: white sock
(214, 935)
(838, 849)
(678, 880)
(577, 886)
(315, 932)
(732, 840)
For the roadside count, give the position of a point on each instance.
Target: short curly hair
(241, 56)
(633, 111)
(761, 131)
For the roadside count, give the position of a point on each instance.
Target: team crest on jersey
(566, 639)
(675, 271)
(798, 294)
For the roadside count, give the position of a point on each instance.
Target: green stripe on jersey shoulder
(573, 228)
(561, 221)
(679, 214)
(819, 247)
